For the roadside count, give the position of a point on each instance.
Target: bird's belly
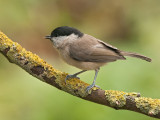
(89, 65)
(81, 65)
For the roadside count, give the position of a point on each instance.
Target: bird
(85, 51)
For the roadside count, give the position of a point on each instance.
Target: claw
(70, 76)
(90, 87)
(74, 75)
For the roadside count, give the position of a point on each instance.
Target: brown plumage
(86, 52)
(89, 50)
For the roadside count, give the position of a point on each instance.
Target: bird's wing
(90, 49)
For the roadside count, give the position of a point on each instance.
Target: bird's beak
(48, 37)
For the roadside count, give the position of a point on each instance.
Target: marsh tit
(85, 51)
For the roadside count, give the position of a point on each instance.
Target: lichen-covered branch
(37, 67)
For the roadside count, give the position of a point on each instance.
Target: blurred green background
(130, 25)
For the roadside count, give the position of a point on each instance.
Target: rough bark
(40, 69)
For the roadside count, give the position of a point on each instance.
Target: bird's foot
(90, 87)
(71, 76)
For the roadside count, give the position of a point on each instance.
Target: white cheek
(58, 41)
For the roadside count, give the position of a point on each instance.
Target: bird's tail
(136, 55)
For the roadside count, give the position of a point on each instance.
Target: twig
(37, 67)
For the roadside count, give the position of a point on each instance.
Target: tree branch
(38, 68)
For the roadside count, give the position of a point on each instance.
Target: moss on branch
(37, 67)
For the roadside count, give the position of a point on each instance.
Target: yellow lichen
(75, 87)
(148, 105)
(118, 98)
(115, 98)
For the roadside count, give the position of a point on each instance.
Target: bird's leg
(93, 84)
(74, 75)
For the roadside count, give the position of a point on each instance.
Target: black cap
(65, 31)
